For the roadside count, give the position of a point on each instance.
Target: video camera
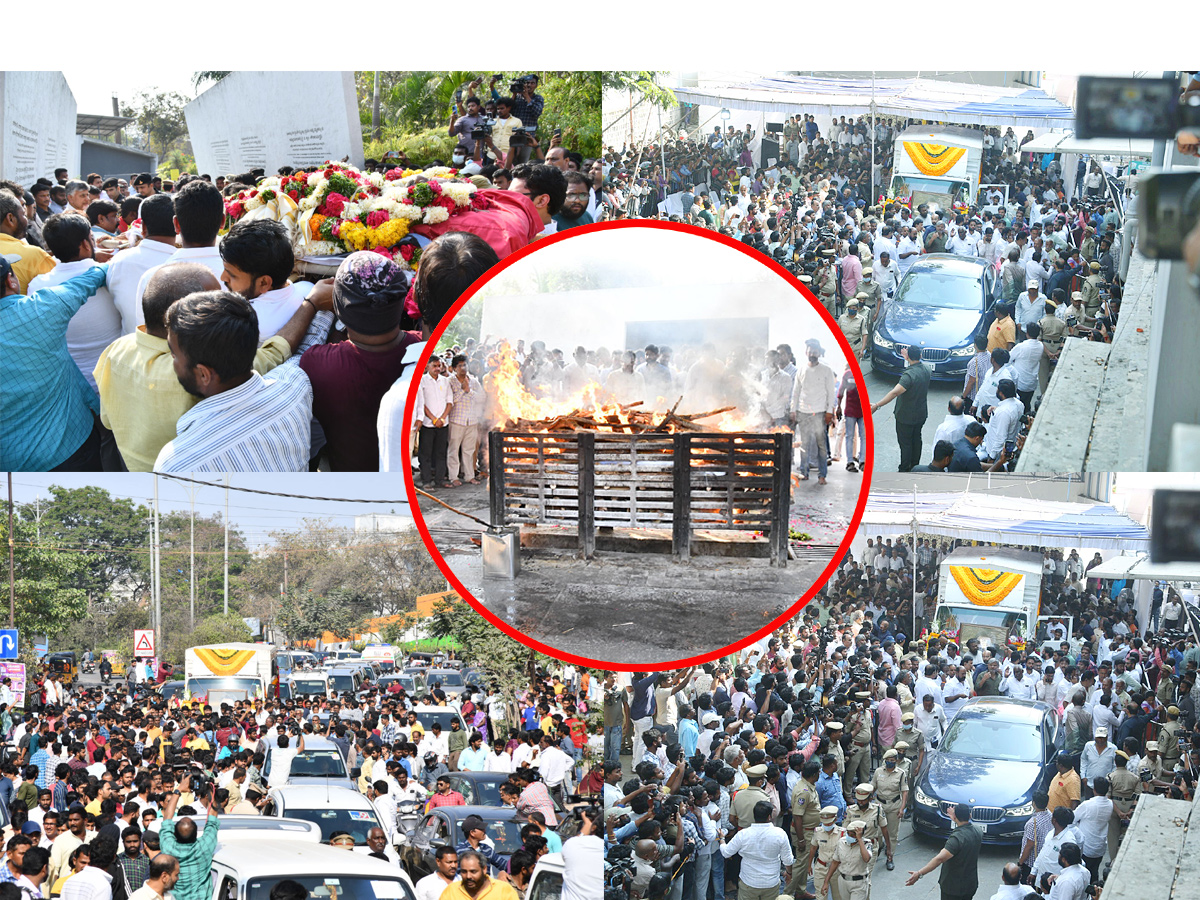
(518, 84)
(482, 129)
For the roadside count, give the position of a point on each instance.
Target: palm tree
(198, 78)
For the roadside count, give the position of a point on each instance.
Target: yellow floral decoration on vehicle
(223, 661)
(933, 159)
(984, 587)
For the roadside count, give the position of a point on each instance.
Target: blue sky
(254, 514)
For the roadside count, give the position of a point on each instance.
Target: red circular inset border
(843, 547)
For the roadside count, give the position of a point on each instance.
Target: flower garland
(343, 210)
(985, 587)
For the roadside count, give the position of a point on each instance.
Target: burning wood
(620, 419)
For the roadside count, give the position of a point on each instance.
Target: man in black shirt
(912, 409)
(958, 859)
(943, 453)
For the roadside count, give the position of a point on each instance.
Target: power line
(246, 490)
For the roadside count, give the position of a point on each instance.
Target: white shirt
(433, 394)
(763, 847)
(1004, 425)
(1047, 861)
(882, 244)
(126, 271)
(906, 245)
(887, 277)
(931, 724)
(431, 886)
(815, 389)
(1026, 360)
(94, 327)
(583, 857)
(1091, 818)
(90, 884)
(952, 428)
(275, 308)
(1011, 892)
(206, 256)
(1071, 883)
(779, 393)
(625, 387)
(1019, 688)
(955, 686)
(554, 764)
(281, 764)
(986, 395)
(390, 422)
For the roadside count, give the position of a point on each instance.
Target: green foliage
(91, 519)
(220, 629)
(175, 564)
(573, 101)
(308, 616)
(177, 159)
(421, 147)
(641, 83)
(160, 119)
(198, 78)
(466, 324)
(48, 595)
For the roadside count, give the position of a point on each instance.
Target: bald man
(140, 397)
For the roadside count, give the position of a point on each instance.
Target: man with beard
(258, 259)
(574, 209)
(244, 422)
(27, 261)
(140, 397)
(475, 882)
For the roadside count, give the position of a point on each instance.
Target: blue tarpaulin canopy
(919, 98)
(1005, 520)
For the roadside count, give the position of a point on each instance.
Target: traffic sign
(143, 642)
(8, 643)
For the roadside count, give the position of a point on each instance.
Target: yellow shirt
(141, 399)
(94, 807)
(493, 890)
(34, 261)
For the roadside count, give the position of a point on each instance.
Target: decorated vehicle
(938, 165)
(229, 672)
(990, 594)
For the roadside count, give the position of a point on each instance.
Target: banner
(985, 587)
(15, 671)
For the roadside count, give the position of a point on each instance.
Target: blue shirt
(689, 736)
(829, 791)
(45, 402)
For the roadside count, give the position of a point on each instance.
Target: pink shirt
(851, 276)
(889, 721)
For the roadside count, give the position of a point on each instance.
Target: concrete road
(887, 451)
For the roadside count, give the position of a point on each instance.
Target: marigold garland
(933, 159)
(985, 587)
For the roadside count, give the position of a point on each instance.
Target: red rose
(406, 251)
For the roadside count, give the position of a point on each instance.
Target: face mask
(891, 763)
(827, 827)
(459, 160)
(851, 840)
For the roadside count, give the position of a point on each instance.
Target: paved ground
(887, 451)
(639, 607)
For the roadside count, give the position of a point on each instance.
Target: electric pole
(192, 488)
(12, 582)
(157, 571)
(226, 543)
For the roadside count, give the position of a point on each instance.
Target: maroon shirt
(348, 384)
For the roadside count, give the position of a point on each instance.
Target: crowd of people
(791, 767)
(113, 792)
(458, 400)
(1056, 251)
(145, 332)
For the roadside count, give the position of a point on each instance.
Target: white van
(388, 657)
(249, 871)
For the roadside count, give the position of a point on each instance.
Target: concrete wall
(112, 160)
(37, 126)
(273, 119)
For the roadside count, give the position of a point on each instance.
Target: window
(336, 887)
(227, 890)
(547, 887)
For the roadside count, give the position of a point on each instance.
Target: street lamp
(725, 115)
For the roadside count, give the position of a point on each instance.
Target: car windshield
(428, 717)
(950, 618)
(505, 836)
(942, 285)
(355, 821)
(335, 887)
(343, 684)
(309, 686)
(448, 679)
(986, 737)
(318, 764)
(477, 793)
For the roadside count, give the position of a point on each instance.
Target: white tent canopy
(920, 98)
(1140, 567)
(1066, 142)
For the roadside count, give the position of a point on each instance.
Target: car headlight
(968, 350)
(924, 799)
(1026, 810)
(882, 342)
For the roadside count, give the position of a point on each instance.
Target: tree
(644, 84)
(175, 538)
(307, 616)
(198, 78)
(46, 583)
(160, 119)
(112, 530)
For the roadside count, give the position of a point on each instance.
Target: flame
(510, 401)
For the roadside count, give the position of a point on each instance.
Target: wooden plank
(681, 525)
(587, 494)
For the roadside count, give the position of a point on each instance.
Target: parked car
(331, 808)
(343, 680)
(265, 828)
(995, 754)
(443, 826)
(427, 715)
(413, 683)
(450, 680)
(942, 303)
(248, 871)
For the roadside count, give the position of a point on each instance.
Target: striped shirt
(468, 405)
(45, 402)
(263, 425)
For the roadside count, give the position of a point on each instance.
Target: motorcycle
(89, 667)
(408, 816)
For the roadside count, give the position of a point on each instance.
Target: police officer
(875, 819)
(1091, 295)
(834, 729)
(1124, 787)
(854, 327)
(891, 791)
(1151, 762)
(741, 812)
(827, 282)
(821, 846)
(873, 299)
(850, 864)
(858, 766)
(806, 818)
(1053, 336)
(1168, 739)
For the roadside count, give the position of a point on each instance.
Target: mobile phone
(1129, 108)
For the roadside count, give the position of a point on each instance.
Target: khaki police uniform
(1153, 766)
(1087, 250)
(821, 846)
(889, 786)
(835, 748)
(876, 820)
(1124, 788)
(1091, 298)
(1053, 336)
(858, 766)
(855, 329)
(827, 289)
(742, 807)
(1168, 743)
(853, 875)
(806, 816)
(873, 296)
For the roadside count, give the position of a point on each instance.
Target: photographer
(184, 841)
(465, 121)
